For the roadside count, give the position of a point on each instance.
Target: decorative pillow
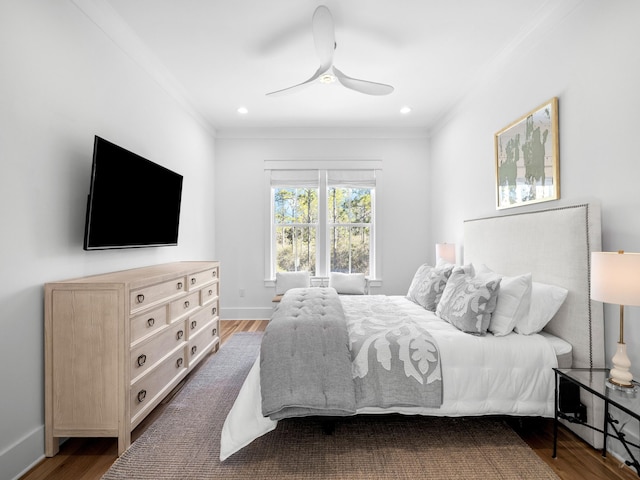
(512, 306)
(468, 301)
(546, 300)
(288, 280)
(348, 283)
(417, 280)
(428, 284)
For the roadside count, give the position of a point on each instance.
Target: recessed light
(405, 110)
(243, 110)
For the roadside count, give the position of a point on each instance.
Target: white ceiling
(218, 55)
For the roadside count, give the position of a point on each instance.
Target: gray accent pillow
(468, 301)
(428, 284)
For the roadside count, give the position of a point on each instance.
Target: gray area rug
(184, 442)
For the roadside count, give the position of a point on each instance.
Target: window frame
(329, 226)
(322, 232)
(294, 225)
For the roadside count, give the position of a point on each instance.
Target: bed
(461, 372)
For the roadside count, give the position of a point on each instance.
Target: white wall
(591, 62)
(62, 82)
(240, 211)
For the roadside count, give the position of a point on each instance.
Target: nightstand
(593, 381)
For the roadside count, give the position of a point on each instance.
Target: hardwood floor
(89, 459)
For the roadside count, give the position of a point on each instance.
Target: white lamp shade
(446, 252)
(615, 277)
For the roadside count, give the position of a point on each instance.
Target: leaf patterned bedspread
(395, 361)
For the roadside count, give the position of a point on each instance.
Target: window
(349, 223)
(322, 221)
(295, 226)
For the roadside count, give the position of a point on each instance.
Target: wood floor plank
(89, 459)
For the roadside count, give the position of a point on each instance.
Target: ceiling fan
(324, 39)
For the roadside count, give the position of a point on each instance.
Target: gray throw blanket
(305, 362)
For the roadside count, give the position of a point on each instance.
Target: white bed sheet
(509, 375)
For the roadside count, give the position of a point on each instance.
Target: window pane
(349, 205)
(338, 211)
(295, 205)
(296, 249)
(361, 205)
(360, 246)
(350, 249)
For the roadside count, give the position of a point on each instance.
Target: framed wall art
(527, 158)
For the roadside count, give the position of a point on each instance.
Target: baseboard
(24, 454)
(246, 313)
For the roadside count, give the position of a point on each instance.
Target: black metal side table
(594, 381)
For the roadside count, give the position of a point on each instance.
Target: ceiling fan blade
(299, 86)
(362, 86)
(324, 35)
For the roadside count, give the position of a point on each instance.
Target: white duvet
(488, 375)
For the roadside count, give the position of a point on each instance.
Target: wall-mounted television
(133, 202)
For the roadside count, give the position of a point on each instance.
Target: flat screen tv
(133, 202)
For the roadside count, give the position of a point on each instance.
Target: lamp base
(628, 389)
(620, 377)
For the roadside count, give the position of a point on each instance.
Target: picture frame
(527, 163)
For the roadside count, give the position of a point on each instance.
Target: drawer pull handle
(210, 292)
(141, 395)
(193, 280)
(214, 310)
(193, 324)
(179, 334)
(179, 286)
(186, 304)
(214, 332)
(151, 321)
(140, 298)
(179, 362)
(142, 359)
(193, 349)
(215, 273)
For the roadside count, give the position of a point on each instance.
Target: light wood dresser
(116, 344)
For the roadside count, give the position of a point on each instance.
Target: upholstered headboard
(555, 245)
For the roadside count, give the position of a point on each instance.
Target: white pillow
(288, 280)
(546, 300)
(514, 300)
(348, 283)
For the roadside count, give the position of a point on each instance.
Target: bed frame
(555, 245)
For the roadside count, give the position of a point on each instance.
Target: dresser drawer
(209, 294)
(148, 296)
(197, 280)
(215, 330)
(148, 323)
(200, 320)
(146, 393)
(201, 343)
(146, 355)
(184, 306)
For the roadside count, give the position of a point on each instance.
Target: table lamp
(615, 278)
(446, 252)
